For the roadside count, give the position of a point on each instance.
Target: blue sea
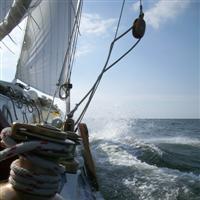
(147, 159)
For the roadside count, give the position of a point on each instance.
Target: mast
(64, 89)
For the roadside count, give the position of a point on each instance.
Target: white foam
(149, 182)
(109, 129)
(173, 140)
(160, 183)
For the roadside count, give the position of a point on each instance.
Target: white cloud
(163, 10)
(95, 24)
(136, 6)
(84, 49)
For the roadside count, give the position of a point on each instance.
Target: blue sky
(158, 79)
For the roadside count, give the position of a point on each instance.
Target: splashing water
(147, 159)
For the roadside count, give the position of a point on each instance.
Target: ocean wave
(123, 175)
(147, 161)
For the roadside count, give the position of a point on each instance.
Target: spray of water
(118, 150)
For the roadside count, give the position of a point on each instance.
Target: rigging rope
(7, 114)
(69, 57)
(71, 40)
(20, 101)
(93, 89)
(108, 57)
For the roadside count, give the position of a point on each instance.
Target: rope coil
(23, 179)
(45, 155)
(20, 101)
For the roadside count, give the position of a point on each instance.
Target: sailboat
(45, 154)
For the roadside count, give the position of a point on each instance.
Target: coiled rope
(19, 100)
(43, 154)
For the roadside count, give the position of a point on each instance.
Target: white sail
(46, 41)
(11, 14)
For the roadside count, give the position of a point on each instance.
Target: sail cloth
(11, 14)
(5, 5)
(45, 44)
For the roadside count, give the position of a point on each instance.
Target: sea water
(147, 159)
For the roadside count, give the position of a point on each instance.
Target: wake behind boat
(45, 152)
